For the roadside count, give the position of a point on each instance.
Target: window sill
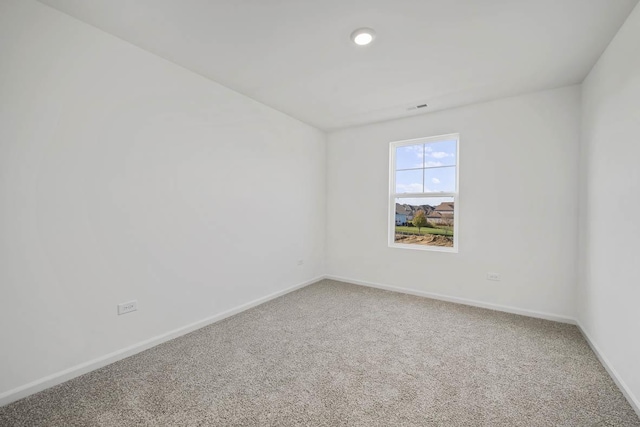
(424, 248)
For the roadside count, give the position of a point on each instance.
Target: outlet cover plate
(127, 307)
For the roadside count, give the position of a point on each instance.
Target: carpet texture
(335, 354)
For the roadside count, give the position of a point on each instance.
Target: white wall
(609, 292)
(123, 176)
(518, 204)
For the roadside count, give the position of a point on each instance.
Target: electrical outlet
(300, 262)
(493, 276)
(127, 307)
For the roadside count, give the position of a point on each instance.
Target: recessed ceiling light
(363, 36)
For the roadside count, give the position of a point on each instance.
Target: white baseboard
(75, 371)
(458, 300)
(633, 401)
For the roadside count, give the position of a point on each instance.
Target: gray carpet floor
(335, 354)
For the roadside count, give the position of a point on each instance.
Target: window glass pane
(440, 179)
(409, 181)
(424, 221)
(441, 153)
(409, 156)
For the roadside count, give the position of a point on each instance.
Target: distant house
(443, 213)
(404, 214)
(447, 207)
(434, 216)
(426, 208)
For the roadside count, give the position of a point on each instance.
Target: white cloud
(409, 188)
(435, 180)
(440, 155)
(431, 164)
(415, 149)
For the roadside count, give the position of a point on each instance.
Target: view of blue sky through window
(426, 168)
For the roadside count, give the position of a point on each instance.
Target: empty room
(319, 213)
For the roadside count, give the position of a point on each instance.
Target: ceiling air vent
(416, 107)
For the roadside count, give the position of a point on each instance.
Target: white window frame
(391, 223)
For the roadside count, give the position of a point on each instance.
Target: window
(423, 186)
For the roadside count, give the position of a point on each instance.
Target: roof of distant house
(402, 209)
(445, 207)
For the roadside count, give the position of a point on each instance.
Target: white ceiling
(296, 55)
